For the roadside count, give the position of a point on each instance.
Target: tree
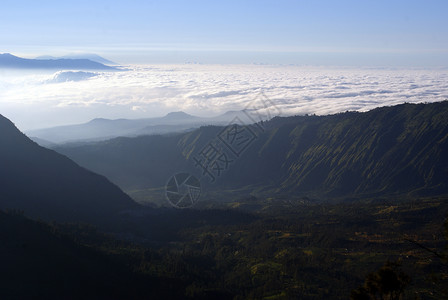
(388, 283)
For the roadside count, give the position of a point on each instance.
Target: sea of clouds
(38, 100)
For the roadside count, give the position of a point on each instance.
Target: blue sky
(315, 32)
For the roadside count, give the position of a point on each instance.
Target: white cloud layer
(37, 100)
(65, 76)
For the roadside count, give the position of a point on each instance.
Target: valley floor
(281, 250)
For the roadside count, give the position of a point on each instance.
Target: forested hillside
(387, 151)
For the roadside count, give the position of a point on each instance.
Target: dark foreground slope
(48, 185)
(40, 262)
(390, 150)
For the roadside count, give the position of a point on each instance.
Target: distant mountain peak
(99, 120)
(179, 114)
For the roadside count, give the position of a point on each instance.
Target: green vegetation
(388, 282)
(305, 251)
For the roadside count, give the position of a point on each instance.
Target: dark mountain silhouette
(102, 129)
(48, 185)
(387, 151)
(13, 62)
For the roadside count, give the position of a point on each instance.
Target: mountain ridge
(388, 151)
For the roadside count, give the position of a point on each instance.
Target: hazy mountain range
(89, 56)
(396, 150)
(102, 129)
(13, 62)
